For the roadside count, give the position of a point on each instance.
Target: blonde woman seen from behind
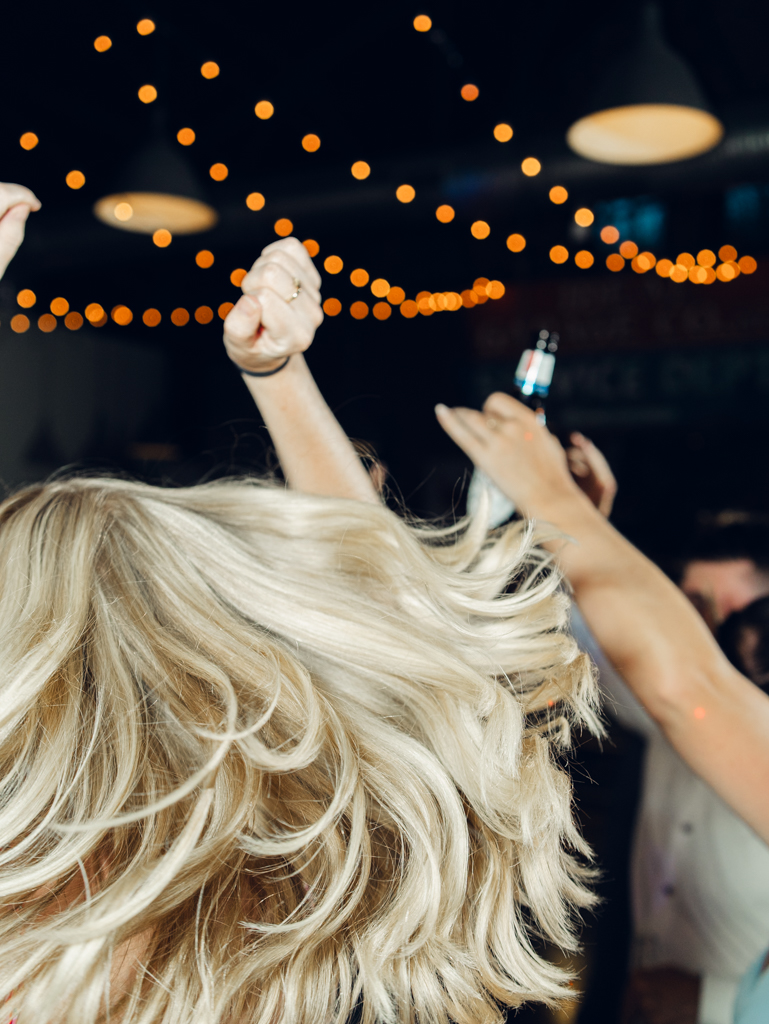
(268, 754)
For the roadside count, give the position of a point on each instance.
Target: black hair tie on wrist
(265, 373)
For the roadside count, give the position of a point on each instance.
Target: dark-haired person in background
(744, 639)
(727, 565)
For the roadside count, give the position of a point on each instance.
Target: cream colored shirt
(699, 874)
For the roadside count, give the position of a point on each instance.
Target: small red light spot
(699, 712)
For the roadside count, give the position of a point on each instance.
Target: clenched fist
(279, 311)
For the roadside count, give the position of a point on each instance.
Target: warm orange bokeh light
(380, 287)
(47, 323)
(333, 264)
(26, 298)
(706, 257)
(664, 266)
(151, 317)
(311, 246)
(123, 211)
(218, 171)
(205, 259)
(332, 307)
(19, 323)
(584, 259)
(28, 140)
(531, 166)
(469, 298)
(727, 253)
(264, 110)
(145, 27)
(255, 200)
(423, 303)
(94, 312)
(405, 193)
(643, 262)
(311, 143)
(122, 316)
(679, 273)
(359, 277)
(422, 23)
(360, 170)
(409, 309)
(162, 238)
(75, 179)
(558, 195)
(609, 234)
(469, 92)
(210, 69)
(102, 43)
(628, 250)
(495, 289)
(237, 276)
(224, 309)
(747, 265)
(479, 287)
(559, 254)
(698, 275)
(711, 276)
(685, 259)
(503, 132)
(516, 243)
(382, 310)
(186, 136)
(283, 227)
(445, 213)
(59, 307)
(480, 229)
(396, 296)
(147, 94)
(73, 321)
(359, 310)
(204, 314)
(180, 317)
(615, 262)
(584, 217)
(100, 323)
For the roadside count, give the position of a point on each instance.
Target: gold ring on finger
(492, 423)
(297, 290)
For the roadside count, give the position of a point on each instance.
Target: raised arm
(16, 202)
(716, 719)
(267, 332)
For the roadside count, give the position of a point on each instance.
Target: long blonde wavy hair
(267, 757)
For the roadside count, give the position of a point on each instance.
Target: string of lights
(701, 269)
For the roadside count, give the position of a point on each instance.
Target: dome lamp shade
(648, 109)
(158, 190)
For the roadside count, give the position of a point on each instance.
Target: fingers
(13, 195)
(462, 429)
(281, 279)
(504, 406)
(12, 233)
(296, 265)
(294, 248)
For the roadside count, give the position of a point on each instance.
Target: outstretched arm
(16, 202)
(269, 324)
(716, 719)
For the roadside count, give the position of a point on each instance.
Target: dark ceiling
(374, 89)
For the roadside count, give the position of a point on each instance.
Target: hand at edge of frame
(16, 203)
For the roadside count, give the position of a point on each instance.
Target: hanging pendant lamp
(159, 190)
(648, 109)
